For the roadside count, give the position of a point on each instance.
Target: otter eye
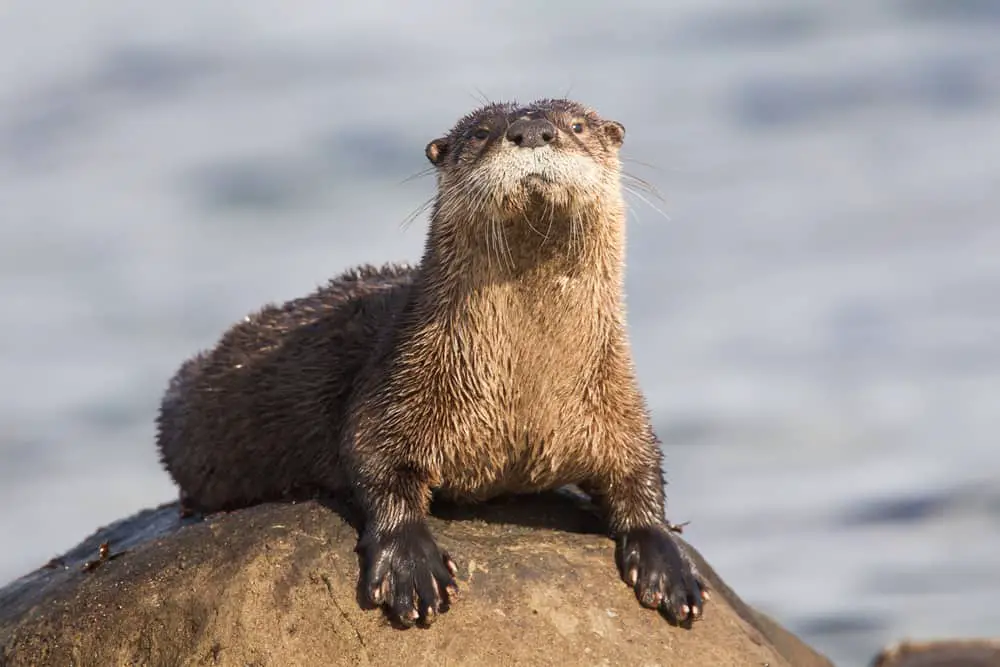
(577, 127)
(481, 133)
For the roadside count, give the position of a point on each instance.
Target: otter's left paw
(651, 561)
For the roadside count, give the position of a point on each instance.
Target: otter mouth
(537, 178)
(535, 167)
(539, 174)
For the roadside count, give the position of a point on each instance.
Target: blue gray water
(814, 304)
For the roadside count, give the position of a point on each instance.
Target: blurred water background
(816, 325)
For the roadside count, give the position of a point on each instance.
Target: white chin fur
(511, 168)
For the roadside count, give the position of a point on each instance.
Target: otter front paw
(664, 578)
(408, 573)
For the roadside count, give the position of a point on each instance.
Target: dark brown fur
(499, 365)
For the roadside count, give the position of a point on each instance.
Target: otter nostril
(531, 132)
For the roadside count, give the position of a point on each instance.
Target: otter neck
(463, 257)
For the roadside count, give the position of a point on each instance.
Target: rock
(957, 653)
(276, 584)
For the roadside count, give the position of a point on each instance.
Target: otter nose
(531, 132)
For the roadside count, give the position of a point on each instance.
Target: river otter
(500, 364)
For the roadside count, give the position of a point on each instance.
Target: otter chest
(534, 425)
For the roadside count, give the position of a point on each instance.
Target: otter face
(503, 158)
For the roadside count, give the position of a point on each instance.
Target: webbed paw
(407, 573)
(652, 562)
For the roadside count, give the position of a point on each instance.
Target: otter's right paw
(407, 572)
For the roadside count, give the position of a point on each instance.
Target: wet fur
(500, 364)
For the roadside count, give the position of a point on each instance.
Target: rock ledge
(276, 584)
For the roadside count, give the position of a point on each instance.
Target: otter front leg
(647, 553)
(404, 569)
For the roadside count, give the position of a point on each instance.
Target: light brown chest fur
(511, 383)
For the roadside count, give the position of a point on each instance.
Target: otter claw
(406, 573)
(662, 576)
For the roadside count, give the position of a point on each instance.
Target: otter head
(506, 162)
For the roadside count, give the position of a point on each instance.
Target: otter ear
(614, 131)
(436, 150)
